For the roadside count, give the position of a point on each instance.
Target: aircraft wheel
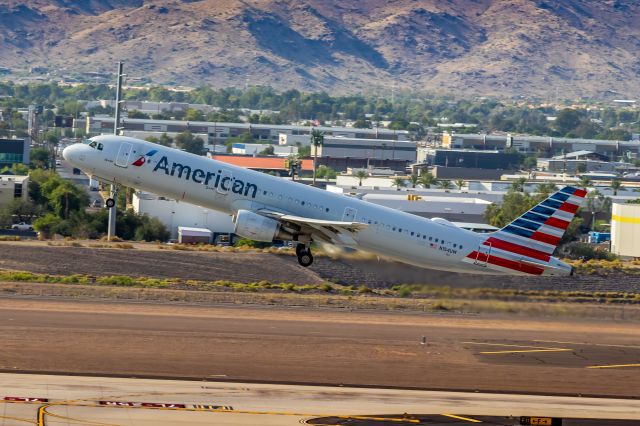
(299, 249)
(305, 258)
(110, 203)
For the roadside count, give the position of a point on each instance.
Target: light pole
(113, 193)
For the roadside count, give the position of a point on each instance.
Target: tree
(427, 179)
(317, 139)
(152, 139)
(581, 168)
(597, 203)
(459, 183)
(361, 175)
(189, 143)
(67, 198)
(165, 140)
(362, 123)
(445, 184)
(546, 188)
(134, 113)
(616, 185)
(194, 115)
(584, 182)
(518, 184)
(39, 158)
(567, 120)
(414, 179)
(268, 150)
(398, 182)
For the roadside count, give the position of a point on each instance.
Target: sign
(24, 399)
(540, 421)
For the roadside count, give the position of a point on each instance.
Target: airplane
(267, 208)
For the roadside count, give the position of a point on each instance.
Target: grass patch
(10, 238)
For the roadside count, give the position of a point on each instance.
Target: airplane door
(482, 256)
(226, 181)
(124, 154)
(349, 214)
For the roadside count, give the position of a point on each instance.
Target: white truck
(94, 185)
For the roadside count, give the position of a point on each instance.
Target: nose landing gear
(305, 258)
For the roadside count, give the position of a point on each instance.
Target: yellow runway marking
(521, 348)
(453, 416)
(380, 419)
(614, 366)
(588, 344)
(525, 351)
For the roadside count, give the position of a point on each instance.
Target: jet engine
(259, 228)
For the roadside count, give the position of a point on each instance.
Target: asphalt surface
(276, 345)
(97, 401)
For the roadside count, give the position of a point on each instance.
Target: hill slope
(503, 47)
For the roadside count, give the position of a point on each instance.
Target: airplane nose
(70, 153)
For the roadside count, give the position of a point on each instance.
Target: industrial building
(12, 187)
(14, 151)
(275, 165)
(217, 133)
(580, 162)
(550, 146)
(625, 230)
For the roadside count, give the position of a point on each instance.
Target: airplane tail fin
(536, 233)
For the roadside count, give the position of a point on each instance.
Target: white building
(625, 230)
(376, 149)
(174, 214)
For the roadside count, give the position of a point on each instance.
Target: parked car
(96, 203)
(22, 226)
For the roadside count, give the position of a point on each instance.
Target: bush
(587, 251)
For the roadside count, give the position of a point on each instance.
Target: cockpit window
(100, 146)
(93, 144)
(86, 141)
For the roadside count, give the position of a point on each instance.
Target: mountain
(488, 47)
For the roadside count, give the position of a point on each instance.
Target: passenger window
(302, 203)
(399, 229)
(454, 245)
(264, 192)
(430, 238)
(327, 209)
(412, 233)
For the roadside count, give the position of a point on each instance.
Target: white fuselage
(216, 185)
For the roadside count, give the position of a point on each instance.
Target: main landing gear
(304, 255)
(111, 202)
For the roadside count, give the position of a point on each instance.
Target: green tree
(189, 143)
(194, 115)
(361, 175)
(165, 140)
(518, 184)
(39, 158)
(546, 188)
(459, 183)
(427, 179)
(398, 182)
(567, 120)
(67, 198)
(616, 185)
(581, 168)
(445, 184)
(134, 113)
(152, 139)
(414, 179)
(317, 139)
(362, 123)
(584, 182)
(268, 150)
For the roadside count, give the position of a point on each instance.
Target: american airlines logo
(144, 158)
(211, 179)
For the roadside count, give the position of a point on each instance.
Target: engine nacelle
(256, 227)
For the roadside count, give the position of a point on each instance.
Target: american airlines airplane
(265, 208)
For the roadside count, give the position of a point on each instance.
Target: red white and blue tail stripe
(526, 244)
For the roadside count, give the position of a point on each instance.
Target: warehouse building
(14, 151)
(12, 187)
(550, 146)
(625, 230)
(217, 133)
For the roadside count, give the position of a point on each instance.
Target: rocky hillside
(496, 47)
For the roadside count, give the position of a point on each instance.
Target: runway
(63, 400)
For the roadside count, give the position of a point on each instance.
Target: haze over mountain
(492, 47)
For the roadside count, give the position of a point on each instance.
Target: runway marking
(529, 349)
(614, 366)
(42, 412)
(469, 419)
(588, 344)
(379, 419)
(525, 351)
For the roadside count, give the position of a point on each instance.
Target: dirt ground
(149, 261)
(487, 353)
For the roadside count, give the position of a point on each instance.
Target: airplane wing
(333, 232)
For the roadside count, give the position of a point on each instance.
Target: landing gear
(110, 203)
(304, 255)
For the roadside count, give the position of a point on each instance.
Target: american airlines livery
(265, 208)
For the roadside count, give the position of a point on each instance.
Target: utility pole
(113, 193)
